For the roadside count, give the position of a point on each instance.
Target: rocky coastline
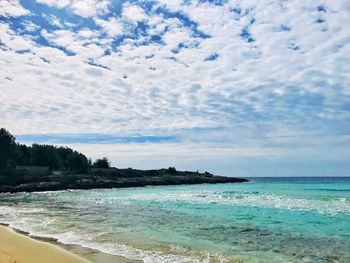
(110, 178)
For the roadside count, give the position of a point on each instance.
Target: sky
(237, 88)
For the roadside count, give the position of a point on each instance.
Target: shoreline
(107, 178)
(118, 187)
(18, 246)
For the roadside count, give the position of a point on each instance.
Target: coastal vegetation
(13, 154)
(102, 163)
(48, 167)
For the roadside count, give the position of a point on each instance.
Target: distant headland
(48, 168)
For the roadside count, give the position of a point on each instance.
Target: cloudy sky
(235, 87)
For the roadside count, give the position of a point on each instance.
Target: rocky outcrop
(117, 178)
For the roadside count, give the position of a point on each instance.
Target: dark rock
(117, 178)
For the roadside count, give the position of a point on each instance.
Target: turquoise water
(265, 220)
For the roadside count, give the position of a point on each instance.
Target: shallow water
(265, 220)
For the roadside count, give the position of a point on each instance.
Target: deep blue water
(265, 220)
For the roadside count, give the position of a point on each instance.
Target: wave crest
(255, 199)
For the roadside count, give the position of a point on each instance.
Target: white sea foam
(24, 220)
(330, 207)
(333, 206)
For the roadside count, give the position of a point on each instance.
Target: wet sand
(18, 247)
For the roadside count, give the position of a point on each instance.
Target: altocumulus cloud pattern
(233, 71)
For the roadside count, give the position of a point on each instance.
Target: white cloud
(83, 43)
(12, 8)
(173, 6)
(112, 26)
(85, 8)
(62, 38)
(89, 7)
(133, 13)
(58, 4)
(174, 37)
(53, 20)
(12, 41)
(31, 27)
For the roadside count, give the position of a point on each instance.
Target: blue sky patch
(212, 57)
(246, 35)
(92, 138)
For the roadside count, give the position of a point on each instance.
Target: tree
(102, 163)
(39, 155)
(24, 154)
(172, 170)
(56, 158)
(78, 162)
(7, 148)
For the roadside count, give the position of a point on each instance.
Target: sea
(265, 220)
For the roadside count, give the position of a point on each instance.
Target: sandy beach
(17, 248)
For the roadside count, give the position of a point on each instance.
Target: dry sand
(17, 248)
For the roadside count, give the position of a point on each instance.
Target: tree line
(61, 158)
